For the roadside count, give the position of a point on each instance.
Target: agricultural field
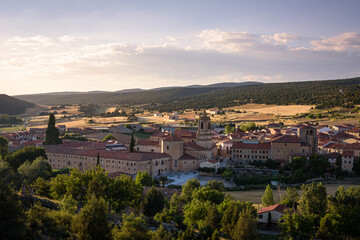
(255, 196)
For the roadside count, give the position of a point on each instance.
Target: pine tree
(132, 143)
(52, 133)
(91, 222)
(245, 228)
(268, 198)
(153, 203)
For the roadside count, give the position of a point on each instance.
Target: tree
(31, 171)
(195, 212)
(132, 143)
(144, 179)
(52, 133)
(153, 203)
(229, 128)
(313, 199)
(161, 234)
(216, 185)
(132, 228)
(213, 218)
(268, 198)
(172, 213)
(109, 137)
(123, 192)
(290, 198)
(245, 228)
(227, 175)
(91, 222)
(12, 224)
(208, 194)
(43, 223)
(318, 165)
(297, 163)
(4, 147)
(30, 153)
(297, 226)
(41, 187)
(188, 189)
(98, 159)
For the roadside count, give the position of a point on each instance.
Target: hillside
(128, 96)
(13, 106)
(323, 94)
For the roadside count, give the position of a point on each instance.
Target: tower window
(202, 125)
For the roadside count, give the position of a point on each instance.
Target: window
(260, 216)
(202, 125)
(167, 147)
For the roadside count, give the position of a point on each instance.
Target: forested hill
(326, 93)
(130, 96)
(13, 106)
(323, 94)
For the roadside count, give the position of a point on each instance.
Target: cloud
(208, 57)
(69, 38)
(35, 42)
(280, 38)
(227, 42)
(344, 42)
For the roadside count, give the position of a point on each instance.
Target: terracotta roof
(354, 130)
(183, 132)
(260, 145)
(286, 139)
(348, 153)
(277, 207)
(160, 134)
(172, 138)
(148, 143)
(186, 156)
(195, 146)
(104, 153)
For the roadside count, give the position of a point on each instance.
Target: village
(170, 148)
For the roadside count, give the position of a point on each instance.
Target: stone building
(113, 161)
(248, 151)
(163, 152)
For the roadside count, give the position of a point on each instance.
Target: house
(157, 115)
(212, 111)
(210, 164)
(62, 128)
(347, 161)
(273, 213)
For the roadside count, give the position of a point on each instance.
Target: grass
(140, 135)
(255, 196)
(11, 129)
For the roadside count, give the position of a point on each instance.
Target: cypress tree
(52, 133)
(132, 143)
(98, 160)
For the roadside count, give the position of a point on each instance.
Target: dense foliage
(13, 106)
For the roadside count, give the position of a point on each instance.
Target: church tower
(203, 136)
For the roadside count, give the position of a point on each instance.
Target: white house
(210, 164)
(275, 212)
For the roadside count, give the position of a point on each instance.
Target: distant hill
(13, 106)
(323, 94)
(127, 96)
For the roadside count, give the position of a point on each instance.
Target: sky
(87, 45)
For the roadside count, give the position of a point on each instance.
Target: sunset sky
(85, 45)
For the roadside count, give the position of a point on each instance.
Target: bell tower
(203, 136)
